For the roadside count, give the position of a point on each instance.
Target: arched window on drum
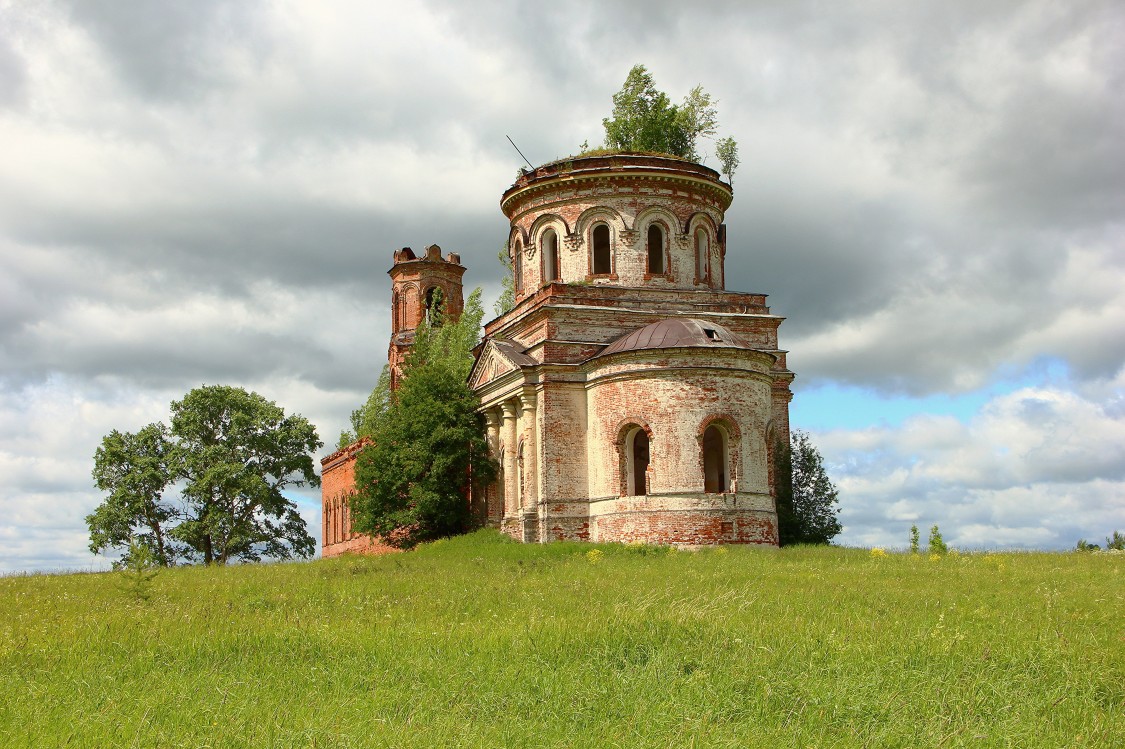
(601, 262)
(517, 267)
(655, 249)
(550, 256)
(702, 251)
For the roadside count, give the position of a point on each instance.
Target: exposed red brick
(559, 413)
(337, 484)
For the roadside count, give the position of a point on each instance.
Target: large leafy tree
(364, 418)
(134, 469)
(644, 119)
(427, 441)
(230, 453)
(806, 498)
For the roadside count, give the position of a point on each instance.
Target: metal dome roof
(677, 333)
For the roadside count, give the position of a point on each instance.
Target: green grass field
(480, 642)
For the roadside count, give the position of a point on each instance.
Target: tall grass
(479, 642)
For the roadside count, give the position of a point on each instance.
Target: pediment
(496, 360)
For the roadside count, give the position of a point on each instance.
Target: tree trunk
(154, 526)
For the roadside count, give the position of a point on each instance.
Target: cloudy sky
(933, 194)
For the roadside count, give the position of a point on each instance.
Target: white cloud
(1038, 467)
(48, 435)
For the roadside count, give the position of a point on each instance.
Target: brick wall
(628, 194)
(337, 483)
(674, 393)
(558, 412)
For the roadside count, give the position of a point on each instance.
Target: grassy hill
(479, 642)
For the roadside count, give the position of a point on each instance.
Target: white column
(529, 473)
(493, 505)
(508, 459)
(492, 422)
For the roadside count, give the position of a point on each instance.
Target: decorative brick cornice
(345, 453)
(666, 174)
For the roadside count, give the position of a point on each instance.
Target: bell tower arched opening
(426, 288)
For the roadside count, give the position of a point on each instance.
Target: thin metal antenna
(518, 150)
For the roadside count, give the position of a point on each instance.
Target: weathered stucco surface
(569, 421)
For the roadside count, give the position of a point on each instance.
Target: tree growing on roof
(644, 119)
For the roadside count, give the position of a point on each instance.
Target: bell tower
(422, 288)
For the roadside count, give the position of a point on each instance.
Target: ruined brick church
(628, 395)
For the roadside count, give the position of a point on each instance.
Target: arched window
(716, 473)
(335, 523)
(550, 256)
(636, 462)
(603, 261)
(406, 300)
(701, 253)
(517, 267)
(655, 250)
(435, 302)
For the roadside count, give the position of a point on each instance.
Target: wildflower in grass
(994, 561)
(594, 555)
(877, 552)
(935, 557)
(946, 637)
